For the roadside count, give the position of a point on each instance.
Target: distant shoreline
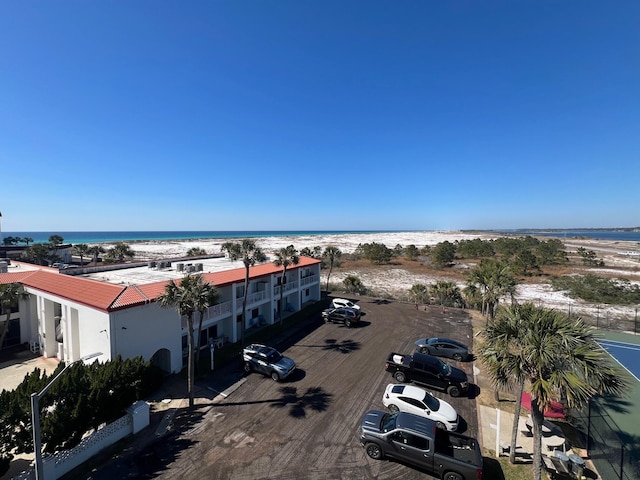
(631, 234)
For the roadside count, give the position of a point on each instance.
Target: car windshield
(274, 357)
(388, 422)
(432, 402)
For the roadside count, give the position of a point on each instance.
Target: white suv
(342, 302)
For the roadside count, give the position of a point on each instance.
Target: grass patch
(501, 469)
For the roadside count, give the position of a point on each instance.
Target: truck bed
(462, 448)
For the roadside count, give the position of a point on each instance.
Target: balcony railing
(289, 286)
(251, 299)
(308, 280)
(219, 310)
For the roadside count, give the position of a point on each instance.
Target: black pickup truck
(429, 371)
(417, 441)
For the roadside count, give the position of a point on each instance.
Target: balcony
(308, 280)
(288, 287)
(252, 298)
(222, 309)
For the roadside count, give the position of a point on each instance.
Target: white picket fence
(55, 466)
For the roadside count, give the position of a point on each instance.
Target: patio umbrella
(556, 410)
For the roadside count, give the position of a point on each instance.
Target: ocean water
(613, 235)
(111, 237)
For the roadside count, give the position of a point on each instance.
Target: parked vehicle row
(342, 311)
(427, 370)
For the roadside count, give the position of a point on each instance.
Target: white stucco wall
(146, 329)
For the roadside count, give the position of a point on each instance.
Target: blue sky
(314, 115)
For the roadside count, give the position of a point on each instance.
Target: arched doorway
(162, 360)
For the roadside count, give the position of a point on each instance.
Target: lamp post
(35, 416)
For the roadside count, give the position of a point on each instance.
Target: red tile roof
(109, 297)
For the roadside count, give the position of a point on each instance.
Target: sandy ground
(621, 260)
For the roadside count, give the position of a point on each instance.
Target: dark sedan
(443, 347)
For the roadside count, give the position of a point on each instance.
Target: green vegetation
(82, 250)
(487, 283)
(589, 257)
(443, 254)
(196, 252)
(377, 253)
(16, 240)
(84, 398)
(419, 293)
(447, 294)
(39, 254)
(353, 284)
(551, 356)
(119, 252)
(592, 288)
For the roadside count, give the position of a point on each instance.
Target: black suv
(346, 315)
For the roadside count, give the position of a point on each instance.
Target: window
(410, 440)
(420, 443)
(413, 402)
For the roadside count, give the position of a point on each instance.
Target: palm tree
(95, 252)
(10, 295)
(206, 295)
(56, 240)
(419, 293)
(447, 292)
(494, 280)
(81, 249)
(332, 253)
(502, 349)
(120, 251)
(284, 257)
(191, 295)
(553, 357)
(250, 254)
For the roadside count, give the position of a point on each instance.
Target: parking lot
(307, 426)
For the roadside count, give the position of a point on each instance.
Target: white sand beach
(615, 254)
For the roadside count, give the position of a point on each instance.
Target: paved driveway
(306, 427)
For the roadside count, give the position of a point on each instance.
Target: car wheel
(347, 323)
(457, 357)
(424, 350)
(373, 450)
(247, 367)
(400, 377)
(394, 408)
(441, 426)
(454, 391)
(452, 476)
(275, 377)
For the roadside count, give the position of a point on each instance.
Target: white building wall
(84, 336)
(143, 330)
